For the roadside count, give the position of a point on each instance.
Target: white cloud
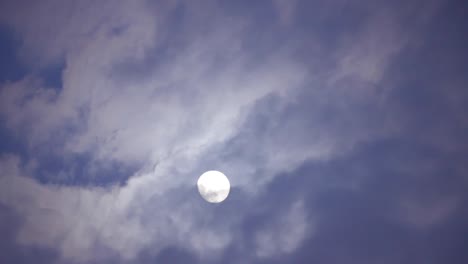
(78, 220)
(285, 234)
(173, 116)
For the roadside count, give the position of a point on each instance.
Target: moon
(213, 186)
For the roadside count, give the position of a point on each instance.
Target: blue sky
(341, 126)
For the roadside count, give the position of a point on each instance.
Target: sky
(341, 125)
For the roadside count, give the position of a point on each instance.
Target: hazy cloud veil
(121, 105)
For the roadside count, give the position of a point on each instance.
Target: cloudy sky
(342, 126)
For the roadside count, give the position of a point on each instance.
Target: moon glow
(213, 186)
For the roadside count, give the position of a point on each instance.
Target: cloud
(79, 220)
(163, 88)
(285, 10)
(285, 235)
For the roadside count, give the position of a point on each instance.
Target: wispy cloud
(172, 89)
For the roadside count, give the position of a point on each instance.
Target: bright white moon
(213, 186)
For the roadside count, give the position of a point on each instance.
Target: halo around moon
(213, 186)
